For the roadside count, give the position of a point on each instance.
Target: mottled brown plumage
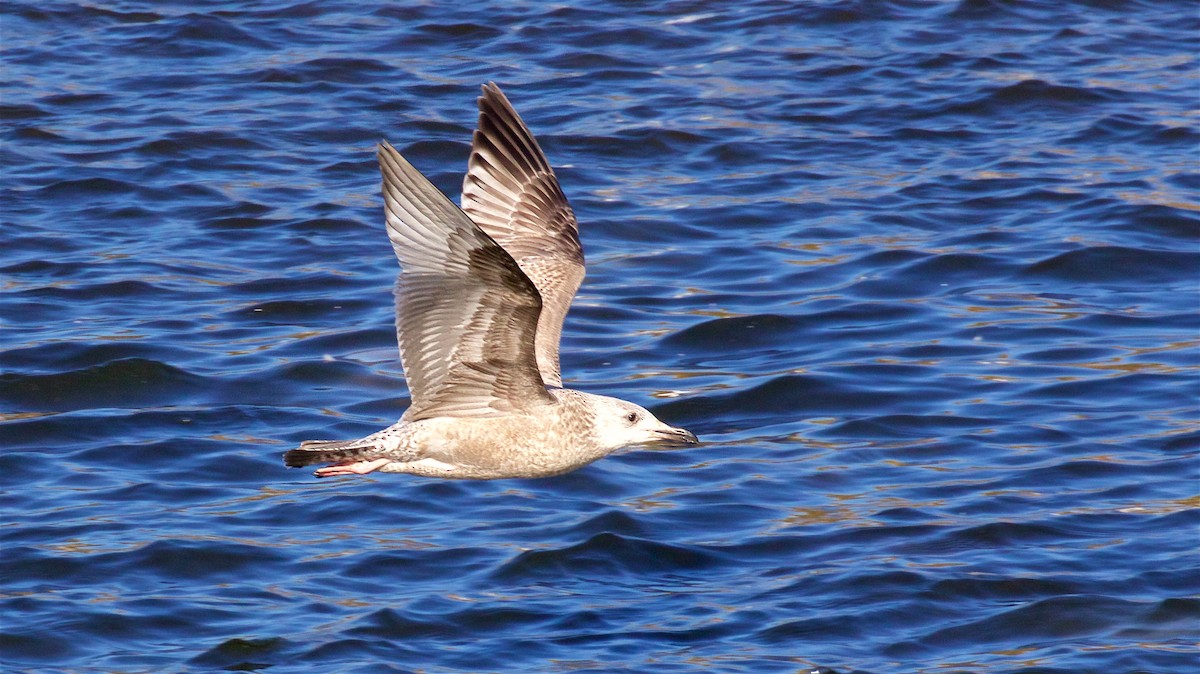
(511, 192)
(480, 302)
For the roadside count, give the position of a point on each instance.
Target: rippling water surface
(923, 275)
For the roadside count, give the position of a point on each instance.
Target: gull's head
(619, 424)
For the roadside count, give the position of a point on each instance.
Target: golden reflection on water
(21, 416)
(659, 500)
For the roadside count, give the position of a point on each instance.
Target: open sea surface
(923, 276)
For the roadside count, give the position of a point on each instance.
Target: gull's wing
(466, 315)
(510, 191)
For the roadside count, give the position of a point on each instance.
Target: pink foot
(357, 468)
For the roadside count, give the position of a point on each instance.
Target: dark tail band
(322, 451)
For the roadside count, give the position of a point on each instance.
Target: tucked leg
(356, 468)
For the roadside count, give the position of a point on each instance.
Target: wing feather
(511, 192)
(466, 315)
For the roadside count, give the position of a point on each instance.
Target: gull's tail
(325, 451)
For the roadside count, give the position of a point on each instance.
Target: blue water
(924, 276)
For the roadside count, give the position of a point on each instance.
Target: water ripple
(921, 275)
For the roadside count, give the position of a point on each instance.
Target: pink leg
(357, 468)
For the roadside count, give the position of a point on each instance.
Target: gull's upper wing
(510, 191)
(466, 315)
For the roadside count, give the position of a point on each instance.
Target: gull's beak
(676, 436)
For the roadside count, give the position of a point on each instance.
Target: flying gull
(480, 302)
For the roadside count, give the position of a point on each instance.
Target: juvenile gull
(480, 302)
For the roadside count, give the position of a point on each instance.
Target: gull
(480, 302)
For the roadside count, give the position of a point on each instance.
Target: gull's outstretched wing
(510, 191)
(466, 315)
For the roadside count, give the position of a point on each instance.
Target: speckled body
(550, 440)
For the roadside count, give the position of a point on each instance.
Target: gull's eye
(632, 417)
